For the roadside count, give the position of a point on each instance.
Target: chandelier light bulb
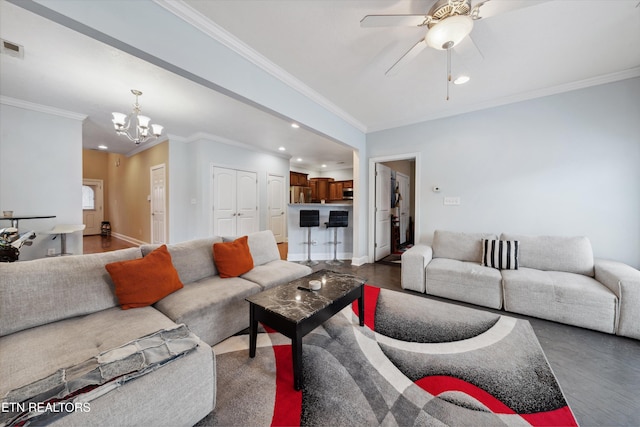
(156, 130)
(143, 122)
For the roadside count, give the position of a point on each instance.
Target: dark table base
(295, 331)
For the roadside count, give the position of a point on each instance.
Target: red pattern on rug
(288, 404)
(439, 384)
(370, 303)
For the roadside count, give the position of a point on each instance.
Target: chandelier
(122, 123)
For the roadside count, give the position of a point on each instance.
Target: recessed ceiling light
(323, 166)
(282, 149)
(461, 80)
(298, 159)
(295, 125)
(102, 147)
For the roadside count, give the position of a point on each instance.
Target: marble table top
(295, 301)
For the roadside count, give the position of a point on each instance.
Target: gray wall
(566, 164)
(41, 173)
(190, 172)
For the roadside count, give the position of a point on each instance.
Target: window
(88, 198)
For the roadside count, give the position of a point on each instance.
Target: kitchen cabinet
(335, 190)
(319, 188)
(298, 179)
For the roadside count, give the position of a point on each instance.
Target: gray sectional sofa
(60, 316)
(557, 279)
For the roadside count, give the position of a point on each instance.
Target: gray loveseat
(59, 313)
(557, 279)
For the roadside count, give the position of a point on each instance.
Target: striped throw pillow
(500, 254)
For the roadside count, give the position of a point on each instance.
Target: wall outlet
(51, 251)
(452, 201)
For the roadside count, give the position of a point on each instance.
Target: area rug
(415, 362)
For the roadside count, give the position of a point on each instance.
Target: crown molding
(145, 146)
(524, 96)
(185, 12)
(204, 136)
(26, 105)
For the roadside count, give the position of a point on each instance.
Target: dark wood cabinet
(319, 188)
(298, 179)
(335, 190)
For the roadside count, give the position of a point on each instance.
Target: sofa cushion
(464, 281)
(192, 259)
(276, 273)
(35, 353)
(183, 391)
(459, 246)
(63, 287)
(232, 258)
(555, 253)
(141, 282)
(500, 254)
(563, 297)
(213, 308)
(263, 247)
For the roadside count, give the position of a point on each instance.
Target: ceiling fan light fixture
(449, 32)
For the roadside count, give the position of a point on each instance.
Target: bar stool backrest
(309, 218)
(338, 219)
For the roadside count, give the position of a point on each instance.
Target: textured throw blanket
(71, 389)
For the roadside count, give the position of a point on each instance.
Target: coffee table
(294, 310)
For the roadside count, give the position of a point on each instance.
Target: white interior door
(383, 212)
(224, 202)
(276, 198)
(92, 206)
(403, 186)
(246, 203)
(158, 205)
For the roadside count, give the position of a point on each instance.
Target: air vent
(12, 49)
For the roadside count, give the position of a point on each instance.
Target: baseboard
(358, 261)
(129, 239)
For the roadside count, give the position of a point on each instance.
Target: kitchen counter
(346, 204)
(322, 236)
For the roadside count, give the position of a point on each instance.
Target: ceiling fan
(448, 23)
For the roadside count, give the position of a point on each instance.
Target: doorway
(277, 206)
(92, 206)
(377, 234)
(158, 205)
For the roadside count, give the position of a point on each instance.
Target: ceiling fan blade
(490, 8)
(468, 51)
(392, 20)
(407, 57)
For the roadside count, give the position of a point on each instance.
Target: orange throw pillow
(144, 281)
(233, 258)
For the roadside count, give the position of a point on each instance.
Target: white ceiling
(534, 49)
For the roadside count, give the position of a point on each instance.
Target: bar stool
(62, 230)
(336, 219)
(309, 218)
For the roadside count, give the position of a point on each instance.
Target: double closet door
(235, 202)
